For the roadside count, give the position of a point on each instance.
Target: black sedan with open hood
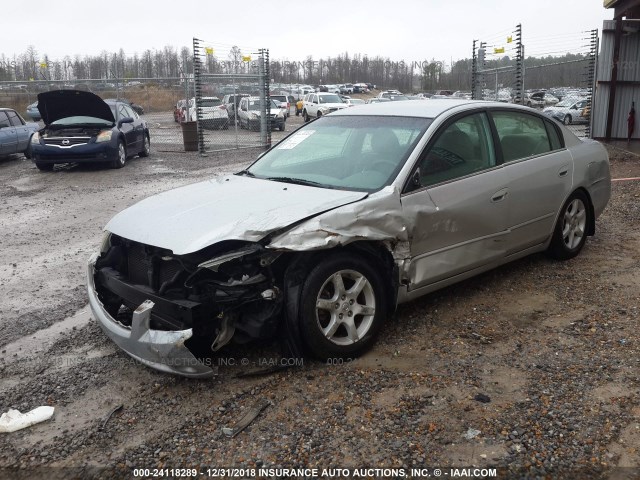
(81, 127)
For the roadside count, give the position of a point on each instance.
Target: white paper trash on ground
(14, 420)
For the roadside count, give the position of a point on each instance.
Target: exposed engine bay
(222, 292)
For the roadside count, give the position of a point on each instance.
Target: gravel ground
(532, 368)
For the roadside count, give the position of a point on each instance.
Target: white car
(352, 102)
(249, 114)
(568, 111)
(318, 104)
(210, 111)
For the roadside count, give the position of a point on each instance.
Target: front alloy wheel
(122, 155)
(343, 307)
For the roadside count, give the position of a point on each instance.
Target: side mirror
(124, 120)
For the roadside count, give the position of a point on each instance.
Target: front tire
(570, 233)
(343, 306)
(44, 167)
(122, 156)
(567, 120)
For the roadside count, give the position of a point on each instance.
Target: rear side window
(554, 137)
(521, 135)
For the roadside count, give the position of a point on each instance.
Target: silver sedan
(317, 241)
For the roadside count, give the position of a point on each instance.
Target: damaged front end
(167, 310)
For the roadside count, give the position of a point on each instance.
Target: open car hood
(190, 218)
(58, 104)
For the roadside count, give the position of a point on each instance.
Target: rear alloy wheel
(44, 167)
(146, 148)
(122, 156)
(570, 232)
(343, 307)
(567, 120)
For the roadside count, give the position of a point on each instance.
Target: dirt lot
(536, 362)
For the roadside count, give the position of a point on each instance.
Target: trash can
(190, 136)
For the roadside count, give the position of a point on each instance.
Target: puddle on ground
(42, 340)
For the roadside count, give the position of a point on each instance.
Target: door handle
(500, 195)
(564, 170)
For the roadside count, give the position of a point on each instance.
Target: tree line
(407, 76)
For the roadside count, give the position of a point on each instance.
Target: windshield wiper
(245, 172)
(297, 181)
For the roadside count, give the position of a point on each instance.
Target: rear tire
(570, 233)
(305, 115)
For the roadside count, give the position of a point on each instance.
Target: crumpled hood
(190, 218)
(58, 104)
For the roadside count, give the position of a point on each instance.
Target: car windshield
(330, 98)
(565, 103)
(356, 101)
(363, 153)
(210, 102)
(82, 120)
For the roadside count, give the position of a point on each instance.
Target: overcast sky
(412, 30)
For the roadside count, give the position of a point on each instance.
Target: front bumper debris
(158, 349)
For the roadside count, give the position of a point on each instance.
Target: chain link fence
(231, 107)
(556, 75)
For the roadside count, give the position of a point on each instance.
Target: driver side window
(463, 148)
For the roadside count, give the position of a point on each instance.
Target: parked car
(284, 101)
(318, 240)
(33, 113)
(81, 127)
(568, 111)
(461, 94)
(360, 88)
(378, 100)
(249, 114)
(346, 89)
(388, 93)
(318, 104)
(212, 113)
(15, 133)
(231, 101)
(351, 102)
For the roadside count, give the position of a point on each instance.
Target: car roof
(426, 109)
